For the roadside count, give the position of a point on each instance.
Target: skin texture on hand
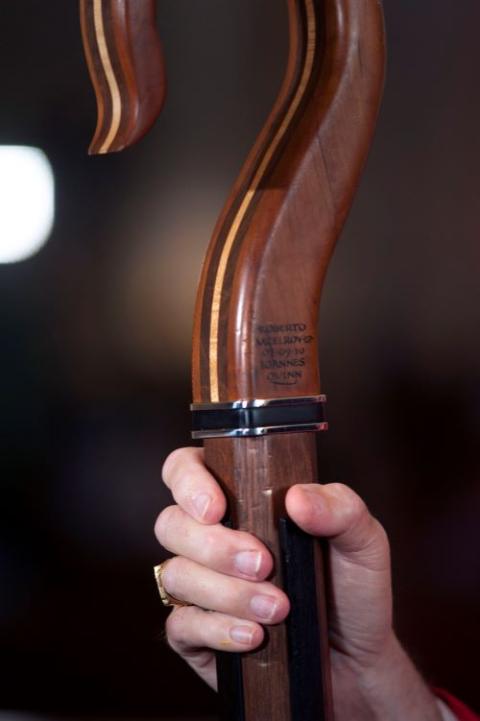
(226, 572)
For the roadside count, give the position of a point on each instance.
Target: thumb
(336, 512)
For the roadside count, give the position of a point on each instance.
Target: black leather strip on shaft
(230, 679)
(230, 686)
(307, 695)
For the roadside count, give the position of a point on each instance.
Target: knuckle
(171, 462)
(175, 625)
(180, 458)
(163, 524)
(381, 535)
(211, 545)
(172, 574)
(353, 507)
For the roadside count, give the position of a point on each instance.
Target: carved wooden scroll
(256, 384)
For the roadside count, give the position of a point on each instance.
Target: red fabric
(459, 709)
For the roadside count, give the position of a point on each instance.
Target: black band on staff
(258, 417)
(306, 672)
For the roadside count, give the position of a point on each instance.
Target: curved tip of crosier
(140, 119)
(94, 149)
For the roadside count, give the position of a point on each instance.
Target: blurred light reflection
(27, 202)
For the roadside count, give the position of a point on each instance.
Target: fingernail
(248, 562)
(264, 607)
(201, 504)
(241, 634)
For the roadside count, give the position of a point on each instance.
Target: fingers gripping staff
(256, 386)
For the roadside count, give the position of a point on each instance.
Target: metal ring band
(259, 417)
(167, 598)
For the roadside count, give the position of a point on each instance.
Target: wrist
(394, 690)
(387, 687)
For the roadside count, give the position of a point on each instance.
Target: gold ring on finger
(167, 598)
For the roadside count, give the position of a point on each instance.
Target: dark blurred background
(95, 338)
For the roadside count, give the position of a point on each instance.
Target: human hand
(225, 571)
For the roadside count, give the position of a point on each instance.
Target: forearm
(390, 689)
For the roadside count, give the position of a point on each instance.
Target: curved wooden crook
(262, 279)
(125, 63)
(255, 331)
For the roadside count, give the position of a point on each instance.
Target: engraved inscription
(282, 351)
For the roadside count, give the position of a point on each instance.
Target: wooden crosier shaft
(255, 474)
(261, 283)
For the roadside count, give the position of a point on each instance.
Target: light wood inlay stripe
(250, 194)
(110, 76)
